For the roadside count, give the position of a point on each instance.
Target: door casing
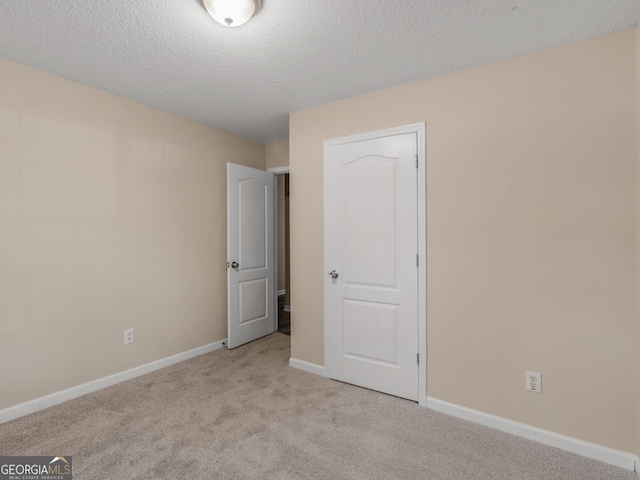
(420, 130)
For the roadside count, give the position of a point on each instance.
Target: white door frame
(276, 171)
(420, 130)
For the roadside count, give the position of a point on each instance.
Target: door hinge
(416, 161)
(418, 358)
(417, 259)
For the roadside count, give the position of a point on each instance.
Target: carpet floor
(245, 414)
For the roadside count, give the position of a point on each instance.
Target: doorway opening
(283, 283)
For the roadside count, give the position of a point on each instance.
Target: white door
(371, 261)
(250, 254)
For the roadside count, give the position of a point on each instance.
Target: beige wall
(530, 232)
(277, 154)
(112, 216)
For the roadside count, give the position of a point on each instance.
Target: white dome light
(232, 13)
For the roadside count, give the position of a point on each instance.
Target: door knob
(235, 264)
(333, 274)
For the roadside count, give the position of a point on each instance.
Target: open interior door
(250, 254)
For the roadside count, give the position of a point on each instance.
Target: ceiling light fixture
(232, 13)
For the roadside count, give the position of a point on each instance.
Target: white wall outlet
(128, 336)
(533, 381)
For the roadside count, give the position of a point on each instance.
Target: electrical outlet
(128, 336)
(533, 382)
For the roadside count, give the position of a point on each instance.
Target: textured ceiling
(294, 54)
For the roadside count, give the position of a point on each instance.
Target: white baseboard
(287, 308)
(563, 442)
(282, 292)
(16, 411)
(307, 367)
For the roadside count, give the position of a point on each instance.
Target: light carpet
(245, 414)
